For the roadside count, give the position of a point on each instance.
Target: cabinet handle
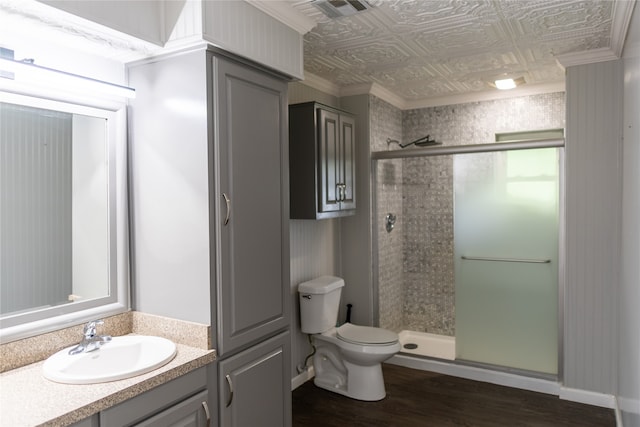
(341, 190)
(228, 202)
(206, 412)
(230, 384)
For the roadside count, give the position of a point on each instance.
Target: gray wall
(169, 188)
(593, 211)
(356, 232)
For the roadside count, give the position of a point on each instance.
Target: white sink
(123, 357)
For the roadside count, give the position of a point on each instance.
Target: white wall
(629, 292)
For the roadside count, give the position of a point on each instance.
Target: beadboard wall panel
(138, 18)
(35, 207)
(593, 230)
(314, 245)
(240, 28)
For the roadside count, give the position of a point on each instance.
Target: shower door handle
(228, 203)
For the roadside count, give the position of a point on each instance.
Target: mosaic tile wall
(386, 122)
(426, 205)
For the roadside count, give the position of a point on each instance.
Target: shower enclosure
(469, 271)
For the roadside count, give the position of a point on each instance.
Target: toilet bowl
(353, 368)
(348, 358)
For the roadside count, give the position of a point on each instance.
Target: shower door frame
(470, 149)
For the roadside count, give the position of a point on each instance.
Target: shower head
(420, 142)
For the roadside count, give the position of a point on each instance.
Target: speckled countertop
(28, 399)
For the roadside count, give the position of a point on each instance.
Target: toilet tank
(319, 303)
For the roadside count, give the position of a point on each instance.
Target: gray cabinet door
(330, 163)
(322, 161)
(336, 183)
(250, 204)
(347, 162)
(254, 388)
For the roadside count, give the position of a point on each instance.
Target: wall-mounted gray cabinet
(321, 161)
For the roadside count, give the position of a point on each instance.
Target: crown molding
(486, 95)
(587, 57)
(285, 13)
(621, 17)
(374, 89)
(321, 84)
(75, 32)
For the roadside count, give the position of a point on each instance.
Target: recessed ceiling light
(505, 84)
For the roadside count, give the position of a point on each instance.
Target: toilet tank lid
(321, 285)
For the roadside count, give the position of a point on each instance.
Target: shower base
(429, 345)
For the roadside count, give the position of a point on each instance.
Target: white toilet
(347, 358)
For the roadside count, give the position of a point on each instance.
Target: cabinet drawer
(134, 410)
(192, 412)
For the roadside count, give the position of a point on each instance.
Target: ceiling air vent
(338, 8)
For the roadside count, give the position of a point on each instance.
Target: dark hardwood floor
(419, 398)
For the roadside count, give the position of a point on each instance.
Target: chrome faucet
(91, 340)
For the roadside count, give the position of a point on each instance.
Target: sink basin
(123, 357)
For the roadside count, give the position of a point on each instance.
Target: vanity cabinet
(210, 203)
(321, 161)
(180, 402)
(253, 386)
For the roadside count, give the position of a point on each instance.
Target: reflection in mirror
(53, 208)
(61, 219)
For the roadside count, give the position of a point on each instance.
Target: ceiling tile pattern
(421, 49)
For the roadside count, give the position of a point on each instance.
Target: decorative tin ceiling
(421, 49)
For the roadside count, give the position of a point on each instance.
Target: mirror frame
(26, 324)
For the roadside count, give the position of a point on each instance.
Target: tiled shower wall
(420, 192)
(386, 122)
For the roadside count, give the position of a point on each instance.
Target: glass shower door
(506, 220)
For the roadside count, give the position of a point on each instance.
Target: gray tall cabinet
(204, 115)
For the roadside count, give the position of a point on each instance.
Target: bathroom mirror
(63, 215)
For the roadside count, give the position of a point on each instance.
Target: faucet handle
(90, 330)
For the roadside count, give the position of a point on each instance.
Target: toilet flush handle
(306, 296)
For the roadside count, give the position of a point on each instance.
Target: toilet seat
(366, 335)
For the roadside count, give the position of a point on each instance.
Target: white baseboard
(302, 378)
(478, 374)
(588, 397)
